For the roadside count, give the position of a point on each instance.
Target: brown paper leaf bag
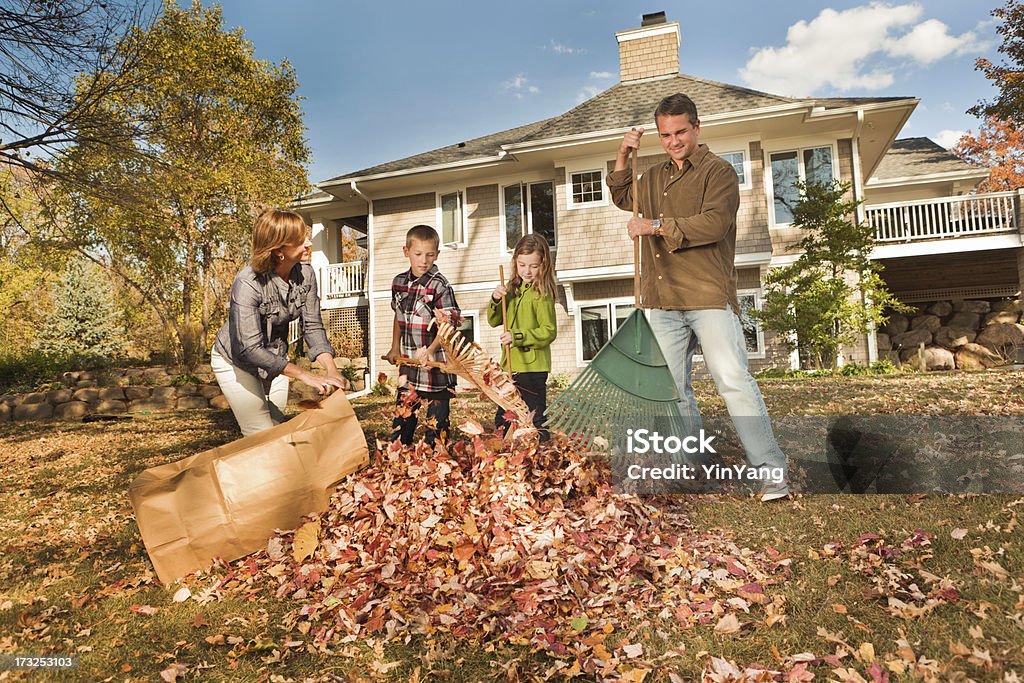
(226, 502)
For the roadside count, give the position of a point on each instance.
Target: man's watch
(656, 224)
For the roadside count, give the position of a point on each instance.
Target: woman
(250, 357)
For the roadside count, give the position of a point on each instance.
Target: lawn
(856, 588)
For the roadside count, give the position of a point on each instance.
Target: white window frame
(461, 192)
(769, 179)
(578, 322)
(761, 353)
(527, 212)
(593, 165)
(747, 183)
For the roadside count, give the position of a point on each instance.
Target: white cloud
(847, 50)
(948, 138)
(602, 74)
(587, 92)
(563, 49)
(520, 86)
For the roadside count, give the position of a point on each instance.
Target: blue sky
(383, 80)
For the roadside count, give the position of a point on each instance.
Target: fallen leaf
(307, 539)
(171, 673)
(728, 624)
(634, 650)
(471, 427)
(958, 533)
(839, 609)
(182, 594)
(144, 609)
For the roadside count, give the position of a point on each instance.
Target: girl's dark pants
(533, 386)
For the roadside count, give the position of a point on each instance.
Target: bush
(559, 381)
(28, 371)
(382, 387)
(351, 373)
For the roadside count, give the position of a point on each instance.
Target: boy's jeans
(721, 338)
(438, 412)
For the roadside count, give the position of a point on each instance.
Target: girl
(530, 297)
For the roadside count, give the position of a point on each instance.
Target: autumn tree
(217, 135)
(999, 147)
(833, 292)
(59, 62)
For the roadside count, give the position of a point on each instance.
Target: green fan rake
(627, 386)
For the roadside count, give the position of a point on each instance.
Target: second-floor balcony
(944, 217)
(342, 280)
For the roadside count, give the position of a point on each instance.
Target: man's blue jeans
(720, 335)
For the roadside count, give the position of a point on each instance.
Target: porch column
(321, 248)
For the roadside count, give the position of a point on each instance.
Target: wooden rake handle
(636, 242)
(504, 320)
(405, 360)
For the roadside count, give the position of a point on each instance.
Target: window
(587, 187)
(451, 219)
(468, 327)
(812, 165)
(529, 207)
(597, 323)
(739, 164)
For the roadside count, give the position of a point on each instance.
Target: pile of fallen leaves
(530, 544)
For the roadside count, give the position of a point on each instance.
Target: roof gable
(916, 157)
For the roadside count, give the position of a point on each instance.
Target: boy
(415, 295)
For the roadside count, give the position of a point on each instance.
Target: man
(688, 277)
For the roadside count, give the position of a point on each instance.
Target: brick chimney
(648, 51)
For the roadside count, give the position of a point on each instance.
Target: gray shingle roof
(621, 106)
(918, 156)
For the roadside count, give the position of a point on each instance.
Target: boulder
(927, 321)
(342, 362)
(912, 339)
(136, 393)
(361, 362)
(938, 358)
(5, 412)
(155, 375)
(33, 412)
(954, 337)
(152, 405)
(58, 396)
(86, 383)
(187, 390)
(72, 410)
(34, 397)
(941, 308)
(192, 403)
(1013, 305)
(112, 394)
(208, 391)
(964, 319)
(219, 402)
(88, 394)
(897, 324)
(12, 400)
(112, 407)
(972, 306)
(884, 343)
(1002, 338)
(203, 368)
(1009, 317)
(165, 393)
(975, 357)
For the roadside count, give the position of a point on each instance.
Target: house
(935, 238)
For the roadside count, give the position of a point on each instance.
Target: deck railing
(929, 219)
(340, 280)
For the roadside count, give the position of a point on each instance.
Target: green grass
(72, 565)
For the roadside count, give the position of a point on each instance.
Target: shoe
(769, 495)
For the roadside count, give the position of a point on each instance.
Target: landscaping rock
(954, 337)
(972, 306)
(938, 358)
(155, 375)
(33, 412)
(11, 400)
(941, 308)
(192, 403)
(883, 341)
(112, 394)
(219, 402)
(912, 339)
(1013, 305)
(58, 396)
(5, 412)
(208, 391)
(135, 393)
(897, 324)
(927, 322)
(964, 319)
(187, 390)
(342, 362)
(1010, 317)
(69, 379)
(88, 394)
(360, 362)
(86, 383)
(204, 368)
(111, 407)
(34, 397)
(1002, 338)
(975, 357)
(152, 405)
(164, 393)
(86, 374)
(72, 410)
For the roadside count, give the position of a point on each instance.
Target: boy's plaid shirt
(414, 301)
